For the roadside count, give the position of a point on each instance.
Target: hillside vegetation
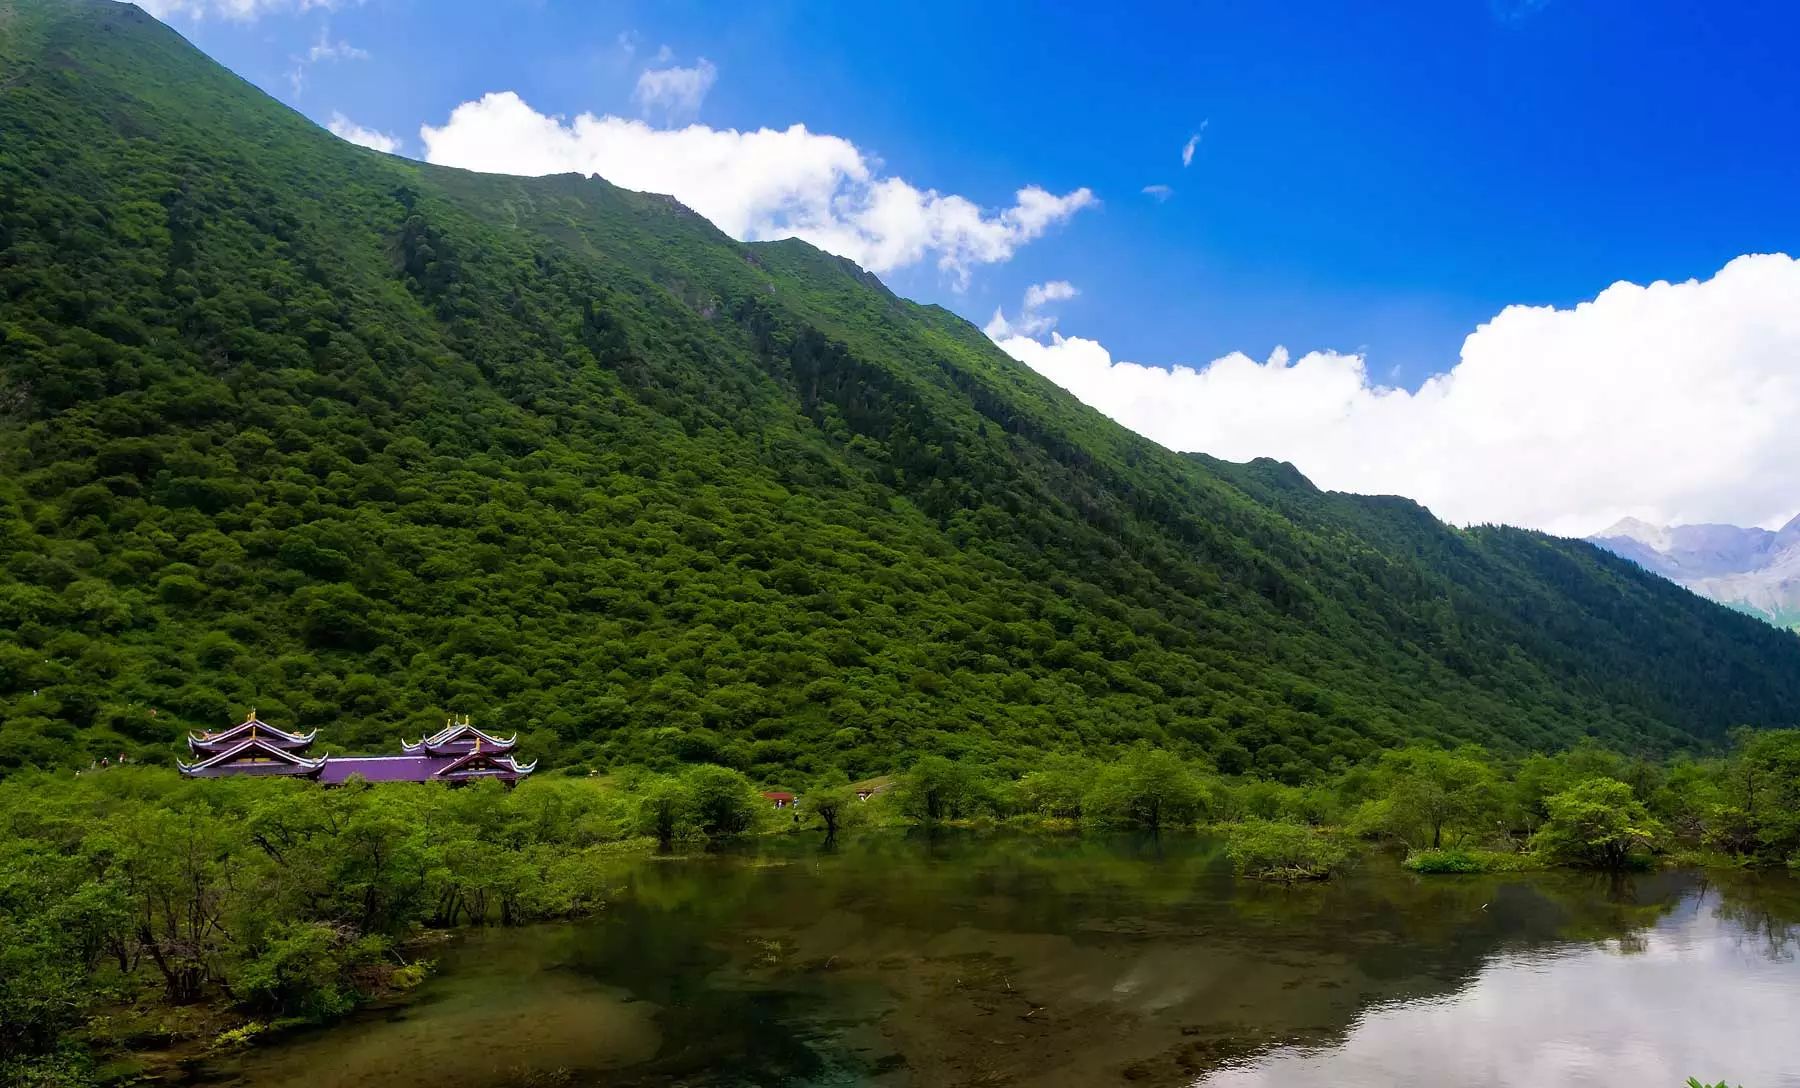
(361, 442)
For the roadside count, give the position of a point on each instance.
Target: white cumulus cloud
(1031, 322)
(762, 184)
(676, 91)
(1673, 402)
(344, 128)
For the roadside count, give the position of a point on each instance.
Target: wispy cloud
(324, 50)
(327, 49)
(243, 11)
(1513, 11)
(1160, 192)
(676, 91)
(1193, 143)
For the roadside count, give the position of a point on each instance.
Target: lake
(970, 959)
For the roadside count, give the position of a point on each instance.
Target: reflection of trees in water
(1763, 909)
(1085, 917)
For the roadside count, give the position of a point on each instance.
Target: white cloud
(239, 10)
(1673, 402)
(1193, 144)
(1160, 192)
(327, 49)
(677, 91)
(1054, 291)
(769, 183)
(323, 50)
(346, 129)
(1030, 321)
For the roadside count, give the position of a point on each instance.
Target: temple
(251, 728)
(457, 754)
(252, 746)
(459, 738)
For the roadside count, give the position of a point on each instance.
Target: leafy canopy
(363, 442)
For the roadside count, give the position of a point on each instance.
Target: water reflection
(961, 959)
(1688, 994)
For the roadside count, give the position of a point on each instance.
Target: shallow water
(999, 960)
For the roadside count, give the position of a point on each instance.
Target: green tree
(1057, 787)
(666, 808)
(1427, 793)
(935, 788)
(829, 801)
(1597, 823)
(302, 970)
(724, 802)
(1148, 788)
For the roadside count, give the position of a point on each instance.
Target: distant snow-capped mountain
(1755, 570)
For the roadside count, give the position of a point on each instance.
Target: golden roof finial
(251, 716)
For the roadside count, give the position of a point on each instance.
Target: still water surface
(1001, 960)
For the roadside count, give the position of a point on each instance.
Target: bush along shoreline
(242, 907)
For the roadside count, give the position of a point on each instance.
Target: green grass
(1470, 860)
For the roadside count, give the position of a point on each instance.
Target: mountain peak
(1749, 569)
(1652, 536)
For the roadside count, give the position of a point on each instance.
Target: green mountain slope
(362, 441)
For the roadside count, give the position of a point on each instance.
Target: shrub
(1597, 823)
(1452, 860)
(724, 802)
(303, 970)
(1278, 850)
(237, 1038)
(412, 975)
(1467, 860)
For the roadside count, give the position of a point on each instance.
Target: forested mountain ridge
(362, 441)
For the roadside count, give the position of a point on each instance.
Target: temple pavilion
(456, 754)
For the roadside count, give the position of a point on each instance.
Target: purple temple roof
(253, 755)
(383, 768)
(459, 738)
(460, 753)
(424, 768)
(251, 726)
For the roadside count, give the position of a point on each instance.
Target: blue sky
(1374, 177)
(1371, 179)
